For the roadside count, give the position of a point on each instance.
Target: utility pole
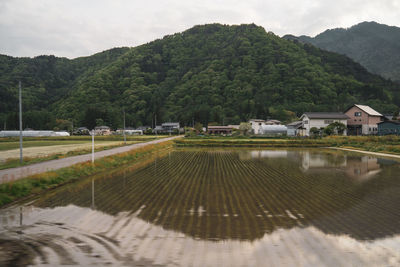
(124, 128)
(93, 206)
(92, 146)
(20, 124)
(155, 122)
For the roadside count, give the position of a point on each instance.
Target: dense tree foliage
(210, 73)
(375, 46)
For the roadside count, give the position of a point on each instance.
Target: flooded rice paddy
(220, 207)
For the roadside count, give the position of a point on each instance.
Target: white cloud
(77, 28)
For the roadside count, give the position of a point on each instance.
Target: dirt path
(367, 152)
(13, 174)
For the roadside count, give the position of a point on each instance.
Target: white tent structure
(32, 133)
(273, 129)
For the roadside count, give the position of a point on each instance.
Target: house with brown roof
(363, 120)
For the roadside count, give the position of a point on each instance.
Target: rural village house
(168, 127)
(320, 120)
(363, 120)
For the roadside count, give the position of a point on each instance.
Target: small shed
(389, 127)
(296, 129)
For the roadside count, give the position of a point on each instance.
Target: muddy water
(217, 207)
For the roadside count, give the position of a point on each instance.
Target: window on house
(305, 122)
(259, 124)
(328, 121)
(357, 114)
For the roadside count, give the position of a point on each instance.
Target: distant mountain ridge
(208, 73)
(375, 46)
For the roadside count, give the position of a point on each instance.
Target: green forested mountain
(375, 46)
(209, 73)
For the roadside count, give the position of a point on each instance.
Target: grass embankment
(36, 184)
(382, 144)
(53, 142)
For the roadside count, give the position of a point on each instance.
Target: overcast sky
(73, 28)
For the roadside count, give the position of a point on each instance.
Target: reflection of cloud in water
(258, 154)
(92, 237)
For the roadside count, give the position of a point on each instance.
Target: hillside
(208, 73)
(375, 46)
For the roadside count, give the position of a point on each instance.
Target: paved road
(13, 174)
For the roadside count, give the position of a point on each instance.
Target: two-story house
(320, 120)
(363, 120)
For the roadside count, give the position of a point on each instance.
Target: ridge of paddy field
(382, 144)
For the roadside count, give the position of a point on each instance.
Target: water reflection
(358, 167)
(257, 202)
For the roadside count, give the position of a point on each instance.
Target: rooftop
(325, 115)
(367, 109)
(295, 123)
(390, 121)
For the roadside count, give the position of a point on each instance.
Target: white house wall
(320, 123)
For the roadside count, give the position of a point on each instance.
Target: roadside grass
(38, 183)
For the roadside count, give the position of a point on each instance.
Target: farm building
(363, 120)
(256, 125)
(102, 130)
(170, 127)
(129, 132)
(320, 120)
(227, 130)
(389, 127)
(295, 129)
(167, 127)
(81, 131)
(234, 126)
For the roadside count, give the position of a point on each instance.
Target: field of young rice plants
(237, 207)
